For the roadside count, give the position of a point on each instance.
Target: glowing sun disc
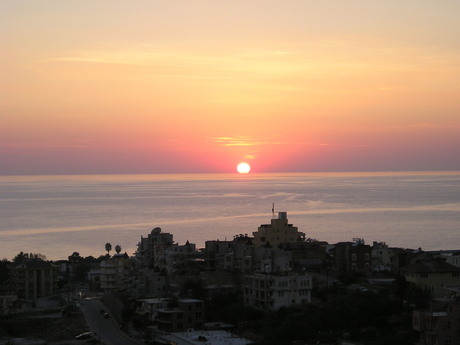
(243, 168)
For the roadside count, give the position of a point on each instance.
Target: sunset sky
(198, 86)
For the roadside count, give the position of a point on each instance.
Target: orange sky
(198, 86)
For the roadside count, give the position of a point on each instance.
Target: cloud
(240, 141)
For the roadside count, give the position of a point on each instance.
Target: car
(107, 315)
(86, 335)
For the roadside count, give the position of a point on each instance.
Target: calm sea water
(57, 215)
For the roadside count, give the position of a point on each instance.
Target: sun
(243, 168)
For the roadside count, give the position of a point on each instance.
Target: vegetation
(108, 248)
(370, 317)
(4, 273)
(367, 317)
(21, 257)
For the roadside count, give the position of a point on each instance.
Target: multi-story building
(94, 278)
(151, 249)
(114, 273)
(308, 255)
(452, 258)
(150, 306)
(188, 315)
(382, 256)
(435, 276)
(215, 252)
(271, 292)
(6, 303)
(352, 256)
(439, 325)
(32, 279)
(239, 257)
(235, 255)
(152, 283)
(177, 256)
(277, 232)
(272, 260)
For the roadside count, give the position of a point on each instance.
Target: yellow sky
(198, 86)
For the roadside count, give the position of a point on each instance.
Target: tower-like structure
(151, 249)
(277, 232)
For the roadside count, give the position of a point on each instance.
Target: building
(152, 283)
(452, 258)
(215, 252)
(151, 249)
(189, 314)
(150, 306)
(439, 325)
(435, 276)
(352, 256)
(181, 257)
(203, 337)
(277, 232)
(114, 273)
(233, 256)
(382, 257)
(32, 279)
(307, 256)
(271, 292)
(6, 304)
(271, 260)
(239, 256)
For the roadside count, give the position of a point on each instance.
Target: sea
(58, 215)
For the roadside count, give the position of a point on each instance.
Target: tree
(75, 257)
(4, 273)
(21, 256)
(108, 248)
(118, 248)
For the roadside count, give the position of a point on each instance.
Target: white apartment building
(114, 273)
(271, 292)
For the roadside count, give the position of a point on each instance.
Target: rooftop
(218, 337)
(435, 266)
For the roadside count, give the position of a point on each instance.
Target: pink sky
(199, 86)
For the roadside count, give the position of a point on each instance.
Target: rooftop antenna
(273, 210)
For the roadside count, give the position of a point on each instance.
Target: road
(106, 329)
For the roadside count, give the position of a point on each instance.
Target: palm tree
(118, 248)
(108, 248)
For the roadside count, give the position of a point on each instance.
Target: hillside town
(274, 286)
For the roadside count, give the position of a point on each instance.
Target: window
(353, 257)
(423, 275)
(455, 274)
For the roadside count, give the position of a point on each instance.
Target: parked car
(107, 315)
